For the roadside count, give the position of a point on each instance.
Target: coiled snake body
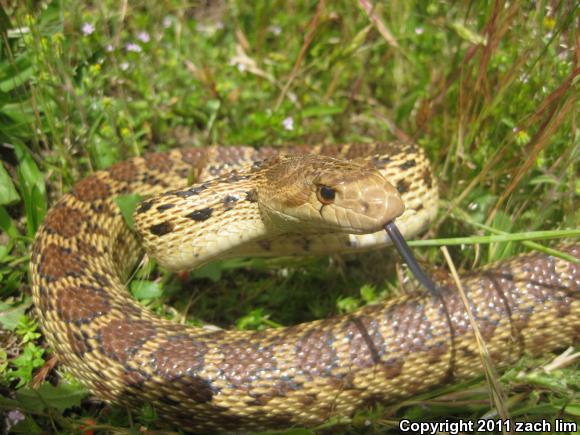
(300, 375)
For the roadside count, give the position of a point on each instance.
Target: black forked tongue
(407, 254)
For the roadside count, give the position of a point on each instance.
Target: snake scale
(209, 380)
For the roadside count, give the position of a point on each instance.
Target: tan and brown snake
(253, 202)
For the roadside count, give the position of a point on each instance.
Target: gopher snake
(299, 375)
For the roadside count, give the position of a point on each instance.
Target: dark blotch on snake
(408, 164)
(160, 229)
(402, 186)
(303, 243)
(145, 206)
(91, 189)
(169, 401)
(265, 245)
(154, 181)
(427, 178)
(164, 207)
(58, 262)
(229, 201)
(200, 215)
(190, 192)
(380, 162)
(101, 279)
(92, 302)
(234, 177)
(252, 195)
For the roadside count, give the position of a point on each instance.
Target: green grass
(490, 91)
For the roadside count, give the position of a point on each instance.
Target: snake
(207, 203)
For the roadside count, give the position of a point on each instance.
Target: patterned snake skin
(299, 375)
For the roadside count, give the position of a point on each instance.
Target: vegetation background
(488, 88)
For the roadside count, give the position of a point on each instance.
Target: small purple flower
(109, 48)
(167, 22)
(135, 48)
(143, 37)
(14, 417)
(88, 29)
(288, 123)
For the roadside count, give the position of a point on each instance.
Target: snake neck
(214, 218)
(226, 216)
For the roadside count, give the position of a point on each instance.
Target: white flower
(124, 66)
(109, 48)
(144, 37)
(419, 30)
(135, 48)
(167, 21)
(276, 30)
(88, 29)
(288, 123)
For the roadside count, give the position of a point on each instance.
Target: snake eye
(326, 194)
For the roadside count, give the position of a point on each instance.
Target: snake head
(328, 195)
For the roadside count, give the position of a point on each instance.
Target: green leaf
(16, 80)
(32, 189)
(3, 363)
(7, 224)
(4, 21)
(149, 414)
(20, 112)
(27, 426)
(468, 34)
(544, 179)
(253, 320)
(498, 251)
(127, 205)
(573, 409)
(10, 69)
(553, 381)
(212, 271)
(480, 205)
(8, 194)
(318, 111)
(347, 304)
(10, 315)
(368, 293)
(142, 289)
(6, 403)
(296, 431)
(103, 153)
(60, 398)
(27, 329)
(4, 253)
(27, 361)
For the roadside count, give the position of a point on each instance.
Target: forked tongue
(409, 258)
